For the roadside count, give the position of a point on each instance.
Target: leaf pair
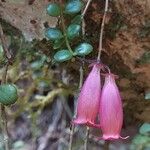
(55, 34)
(81, 50)
(72, 7)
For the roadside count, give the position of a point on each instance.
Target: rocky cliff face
(132, 46)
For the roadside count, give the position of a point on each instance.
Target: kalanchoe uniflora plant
(111, 111)
(63, 37)
(88, 101)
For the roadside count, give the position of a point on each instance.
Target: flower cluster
(105, 104)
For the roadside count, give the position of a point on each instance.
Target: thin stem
(7, 53)
(3, 115)
(86, 138)
(71, 136)
(4, 80)
(4, 77)
(81, 69)
(4, 127)
(73, 126)
(83, 14)
(81, 77)
(101, 31)
(86, 7)
(81, 72)
(65, 35)
(106, 145)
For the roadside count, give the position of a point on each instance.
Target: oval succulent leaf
(53, 9)
(53, 34)
(8, 94)
(83, 49)
(73, 31)
(62, 55)
(73, 7)
(36, 65)
(145, 129)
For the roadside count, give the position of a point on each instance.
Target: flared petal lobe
(88, 101)
(111, 112)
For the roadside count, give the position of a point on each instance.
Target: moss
(145, 30)
(116, 23)
(145, 59)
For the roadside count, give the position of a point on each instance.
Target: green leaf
(8, 94)
(77, 19)
(73, 7)
(147, 96)
(18, 145)
(58, 43)
(145, 59)
(53, 34)
(2, 56)
(62, 55)
(73, 31)
(83, 49)
(53, 10)
(145, 129)
(36, 65)
(140, 139)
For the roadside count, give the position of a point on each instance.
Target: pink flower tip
(112, 137)
(85, 122)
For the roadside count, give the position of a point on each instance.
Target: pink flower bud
(111, 112)
(88, 101)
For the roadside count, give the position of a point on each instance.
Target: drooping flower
(88, 101)
(111, 111)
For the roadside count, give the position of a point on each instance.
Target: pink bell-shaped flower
(88, 101)
(111, 111)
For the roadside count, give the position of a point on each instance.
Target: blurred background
(40, 119)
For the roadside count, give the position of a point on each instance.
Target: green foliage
(53, 34)
(1, 142)
(63, 55)
(73, 7)
(2, 56)
(63, 39)
(147, 96)
(145, 30)
(53, 10)
(77, 19)
(145, 129)
(36, 65)
(8, 94)
(18, 145)
(58, 43)
(73, 31)
(145, 59)
(141, 141)
(83, 49)
(117, 23)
